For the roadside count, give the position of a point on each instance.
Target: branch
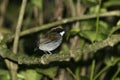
(19, 26)
(13, 67)
(24, 59)
(3, 7)
(67, 20)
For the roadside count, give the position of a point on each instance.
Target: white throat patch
(62, 33)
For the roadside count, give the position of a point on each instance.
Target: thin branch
(65, 21)
(13, 67)
(68, 20)
(24, 59)
(3, 8)
(72, 7)
(19, 25)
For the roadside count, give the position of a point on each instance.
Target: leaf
(50, 72)
(89, 3)
(114, 29)
(30, 74)
(111, 3)
(72, 32)
(118, 23)
(95, 9)
(88, 30)
(104, 27)
(4, 75)
(37, 3)
(91, 35)
(4, 30)
(65, 49)
(90, 25)
(112, 61)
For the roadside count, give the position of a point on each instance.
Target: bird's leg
(49, 52)
(46, 55)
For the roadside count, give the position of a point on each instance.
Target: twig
(92, 70)
(98, 19)
(3, 7)
(68, 20)
(19, 25)
(72, 7)
(111, 3)
(13, 67)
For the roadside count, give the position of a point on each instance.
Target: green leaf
(90, 25)
(50, 72)
(91, 35)
(90, 3)
(4, 75)
(37, 3)
(95, 9)
(110, 3)
(88, 30)
(87, 25)
(118, 23)
(30, 75)
(72, 32)
(65, 49)
(104, 27)
(114, 29)
(112, 61)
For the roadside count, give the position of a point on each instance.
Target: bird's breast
(49, 46)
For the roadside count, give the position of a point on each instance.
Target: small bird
(51, 40)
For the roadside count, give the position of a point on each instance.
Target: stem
(3, 8)
(68, 20)
(104, 69)
(71, 6)
(97, 20)
(19, 25)
(115, 75)
(13, 67)
(68, 69)
(92, 70)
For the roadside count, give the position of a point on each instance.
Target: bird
(51, 40)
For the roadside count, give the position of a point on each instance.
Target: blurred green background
(103, 64)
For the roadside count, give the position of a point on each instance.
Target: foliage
(40, 15)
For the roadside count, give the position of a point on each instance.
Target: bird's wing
(48, 38)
